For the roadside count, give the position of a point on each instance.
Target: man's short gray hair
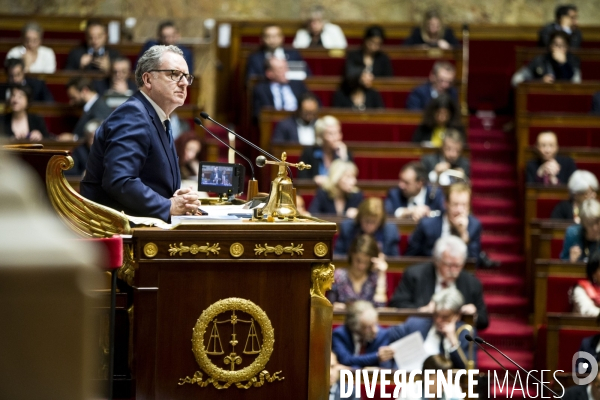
(355, 311)
(581, 181)
(448, 299)
(151, 59)
(453, 244)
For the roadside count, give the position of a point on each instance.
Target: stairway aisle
(495, 194)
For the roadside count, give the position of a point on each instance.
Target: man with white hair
(132, 166)
(582, 185)
(420, 282)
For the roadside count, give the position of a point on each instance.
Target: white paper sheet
(409, 352)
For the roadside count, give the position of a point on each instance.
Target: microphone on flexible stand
(480, 340)
(470, 339)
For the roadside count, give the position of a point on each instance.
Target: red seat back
(557, 299)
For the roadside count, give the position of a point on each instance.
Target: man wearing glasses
(133, 165)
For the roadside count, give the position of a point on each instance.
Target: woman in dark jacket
(441, 114)
(370, 57)
(18, 124)
(339, 194)
(356, 92)
(432, 33)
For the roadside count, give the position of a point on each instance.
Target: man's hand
(342, 151)
(379, 263)
(574, 253)
(385, 353)
(468, 309)
(85, 60)
(418, 212)
(351, 212)
(442, 166)
(449, 332)
(35, 135)
(548, 78)
(461, 224)
(102, 63)
(184, 201)
(444, 45)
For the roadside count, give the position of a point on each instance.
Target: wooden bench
(565, 331)
(547, 237)
(562, 97)
(393, 316)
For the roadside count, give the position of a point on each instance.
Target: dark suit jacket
(420, 96)
(567, 167)
(35, 122)
(576, 392)
(387, 236)
(342, 344)
(589, 345)
(74, 58)
(99, 110)
(563, 210)
(431, 160)
(187, 53)
(382, 66)
(395, 199)
(256, 62)
(323, 204)
(313, 157)
(596, 103)
(39, 90)
(102, 85)
(372, 100)
(429, 230)
(423, 325)
(544, 65)
(80, 156)
(416, 38)
(132, 167)
(547, 30)
(286, 131)
(418, 286)
(262, 96)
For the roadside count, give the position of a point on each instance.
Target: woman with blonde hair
(432, 33)
(339, 194)
(370, 220)
(584, 239)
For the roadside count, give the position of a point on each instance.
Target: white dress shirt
(332, 37)
(45, 63)
(283, 97)
(582, 304)
(161, 114)
(90, 103)
(418, 200)
(306, 133)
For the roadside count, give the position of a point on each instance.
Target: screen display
(217, 175)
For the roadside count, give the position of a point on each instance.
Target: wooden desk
(389, 316)
(565, 331)
(560, 97)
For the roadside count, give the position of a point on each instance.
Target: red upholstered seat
(557, 299)
(390, 99)
(556, 246)
(593, 167)
(558, 102)
(569, 340)
(113, 250)
(544, 207)
(380, 168)
(393, 280)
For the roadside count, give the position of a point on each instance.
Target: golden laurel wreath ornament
(254, 374)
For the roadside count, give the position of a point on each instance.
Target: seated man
(565, 20)
(277, 91)
(81, 93)
(299, 128)
(119, 81)
(271, 46)
(168, 35)
(132, 166)
(439, 333)
(320, 33)
(448, 158)
(421, 281)
(357, 343)
(94, 55)
(441, 80)
(590, 345)
(455, 221)
(81, 153)
(15, 69)
(590, 391)
(596, 103)
(413, 198)
(549, 168)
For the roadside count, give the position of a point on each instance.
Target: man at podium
(132, 165)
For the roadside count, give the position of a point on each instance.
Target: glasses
(176, 75)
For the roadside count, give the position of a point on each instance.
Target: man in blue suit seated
(168, 35)
(413, 198)
(133, 166)
(439, 333)
(441, 80)
(357, 343)
(456, 220)
(300, 127)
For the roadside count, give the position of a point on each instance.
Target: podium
(231, 311)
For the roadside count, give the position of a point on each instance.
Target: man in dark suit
(549, 168)
(168, 35)
(448, 158)
(441, 80)
(94, 55)
(590, 345)
(119, 82)
(15, 68)
(413, 198)
(357, 343)
(590, 391)
(132, 166)
(421, 281)
(299, 128)
(439, 332)
(456, 220)
(271, 45)
(277, 91)
(81, 93)
(565, 19)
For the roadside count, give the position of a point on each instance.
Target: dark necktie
(169, 130)
(442, 349)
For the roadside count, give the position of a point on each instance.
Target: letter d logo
(581, 368)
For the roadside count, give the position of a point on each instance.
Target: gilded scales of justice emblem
(221, 314)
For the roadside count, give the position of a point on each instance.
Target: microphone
(477, 341)
(243, 139)
(199, 123)
(480, 340)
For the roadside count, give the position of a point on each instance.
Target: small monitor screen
(217, 175)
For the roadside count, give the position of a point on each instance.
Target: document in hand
(409, 352)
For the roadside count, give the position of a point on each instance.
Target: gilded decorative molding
(127, 271)
(321, 249)
(236, 250)
(150, 250)
(322, 278)
(279, 249)
(194, 249)
(254, 375)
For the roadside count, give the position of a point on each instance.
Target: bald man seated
(549, 168)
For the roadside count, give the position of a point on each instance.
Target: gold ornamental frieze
(223, 315)
(174, 249)
(279, 249)
(236, 250)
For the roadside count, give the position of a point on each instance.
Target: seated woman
(582, 240)
(583, 185)
(18, 124)
(549, 168)
(557, 64)
(356, 92)
(189, 147)
(432, 33)
(339, 194)
(441, 114)
(38, 59)
(329, 147)
(370, 220)
(586, 294)
(370, 57)
(364, 279)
